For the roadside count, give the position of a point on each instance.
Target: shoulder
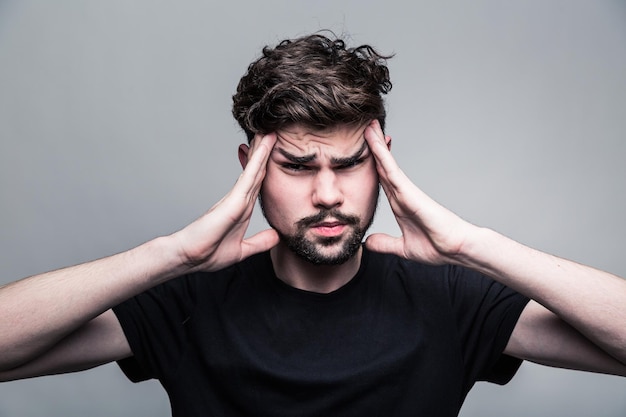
(425, 285)
(246, 273)
(459, 284)
(192, 288)
(393, 266)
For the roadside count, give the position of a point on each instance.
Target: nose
(327, 192)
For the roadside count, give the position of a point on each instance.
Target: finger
(390, 175)
(238, 204)
(393, 180)
(260, 149)
(379, 145)
(252, 176)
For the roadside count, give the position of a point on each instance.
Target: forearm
(590, 300)
(37, 312)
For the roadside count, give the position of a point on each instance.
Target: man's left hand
(430, 232)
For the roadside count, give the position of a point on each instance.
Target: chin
(327, 252)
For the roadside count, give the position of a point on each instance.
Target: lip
(329, 229)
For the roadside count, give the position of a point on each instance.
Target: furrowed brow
(348, 160)
(296, 159)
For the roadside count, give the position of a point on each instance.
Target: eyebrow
(334, 160)
(296, 159)
(349, 160)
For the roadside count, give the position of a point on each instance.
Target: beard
(313, 250)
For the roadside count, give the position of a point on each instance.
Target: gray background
(115, 128)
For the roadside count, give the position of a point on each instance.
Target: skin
(575, 321)
(311, 172)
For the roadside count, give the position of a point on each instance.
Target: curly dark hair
(314, 81)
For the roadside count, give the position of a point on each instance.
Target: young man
(303, 318)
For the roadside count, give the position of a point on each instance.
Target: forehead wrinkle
(311, 137)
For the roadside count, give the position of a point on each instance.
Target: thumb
(260, 242)
(380, 242)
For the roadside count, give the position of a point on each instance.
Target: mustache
(348, 219)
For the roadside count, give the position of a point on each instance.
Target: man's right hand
(217, 239)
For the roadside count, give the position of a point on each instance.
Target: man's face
(320, 191)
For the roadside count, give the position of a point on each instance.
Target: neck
(301, 274)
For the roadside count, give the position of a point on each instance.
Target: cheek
(361, 196)
(362, 185)
(282, 196)
(279, 186)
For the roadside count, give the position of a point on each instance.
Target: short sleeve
(154, 325)
(486, 313)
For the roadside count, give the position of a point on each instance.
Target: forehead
(338, 140)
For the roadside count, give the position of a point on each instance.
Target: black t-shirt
(400, 338)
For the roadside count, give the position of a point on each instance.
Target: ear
(388, 141)
(242, 153)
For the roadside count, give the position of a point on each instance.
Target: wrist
(165, 261)
(478, 245)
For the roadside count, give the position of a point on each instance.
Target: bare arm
(592, 302)
(97, 342)
(589, 300)
(38, 312)
(541, 336)
(63, 309)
